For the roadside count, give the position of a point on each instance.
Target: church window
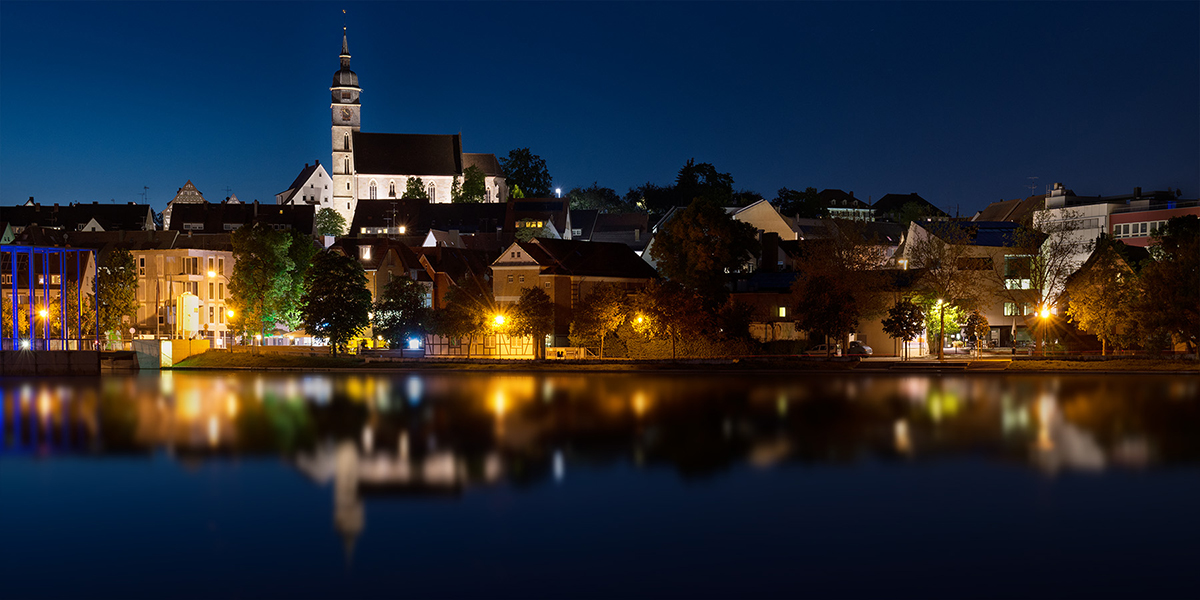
(432, 192)
(346, 169)
(487, 195)
(392, 189)
(346, 142)
(374, 190)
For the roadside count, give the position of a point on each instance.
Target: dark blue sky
(960, 102)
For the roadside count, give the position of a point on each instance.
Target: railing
(1168, 205)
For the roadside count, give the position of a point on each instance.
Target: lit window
(365, 252)
(782, 311)
(392, 189)
(432, 192)
(373, 189)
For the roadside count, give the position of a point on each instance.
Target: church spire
(345, 56)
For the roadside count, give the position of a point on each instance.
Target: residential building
(843, 205)
(896, 208)
(79, 216)
(227, 217)
(311, 186)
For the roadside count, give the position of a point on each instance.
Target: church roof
(407, 154)
(486, 163)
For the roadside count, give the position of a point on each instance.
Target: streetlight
(498, 320)
(942, 330)
(1044, 313)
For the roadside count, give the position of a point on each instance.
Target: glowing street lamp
(498, 320)
(212, 274)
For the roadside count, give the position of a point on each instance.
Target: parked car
(821, 350)
(859, 349)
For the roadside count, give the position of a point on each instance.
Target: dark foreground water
(235, 485)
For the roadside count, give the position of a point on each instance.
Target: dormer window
(364, 252)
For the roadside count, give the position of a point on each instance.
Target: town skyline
(242, 106)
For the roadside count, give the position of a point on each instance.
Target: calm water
(235, 485)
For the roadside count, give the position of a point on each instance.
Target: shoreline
(837, 365)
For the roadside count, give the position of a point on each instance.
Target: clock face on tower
(345, 114)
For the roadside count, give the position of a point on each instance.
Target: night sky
(959, 102)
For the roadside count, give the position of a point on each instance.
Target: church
(377, 166)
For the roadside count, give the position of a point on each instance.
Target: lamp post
(1044, 313)
(942, 330)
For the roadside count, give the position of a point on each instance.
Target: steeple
(345, 50)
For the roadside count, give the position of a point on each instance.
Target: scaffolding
(39, 312)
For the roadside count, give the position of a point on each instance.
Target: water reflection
(438, 435)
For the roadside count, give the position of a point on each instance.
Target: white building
(311, 186)
(379, 165)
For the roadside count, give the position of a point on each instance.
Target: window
(373, 189)
(547, 285)
(364, 252)
(522, 279)
(221, 290)
(141, 266)
(782, 311)
(211, 287)
(346, 170)
(195, 265)
(211, 314)
(220, 266)
(221, 315)
(392, 189)
(487, 195)
(210, 263)
(510, 278)
(432, 193)
(346, 141)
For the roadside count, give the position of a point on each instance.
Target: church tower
(345, 109)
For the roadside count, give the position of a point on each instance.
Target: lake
(204, 484)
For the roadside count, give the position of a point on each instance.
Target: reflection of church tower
(345, 108)
(347, 507)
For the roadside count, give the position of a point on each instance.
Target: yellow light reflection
(214, 431)
(231, 406)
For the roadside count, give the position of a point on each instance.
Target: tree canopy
(600, 313)
(905, 321)
(400, 311)
(795, 203)
(700, 245)
(336, 299)
(330, 222)
(474, 186)
(598, 198)
(1102, 296)
(415, 188)
(533, 315)
(1170, 284)
(667, 309)
(117, 290)
(262, 277)
(468, 312)
(527, 170)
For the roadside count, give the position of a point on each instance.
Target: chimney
(851, 194)
(1137, 193)
(770, 252)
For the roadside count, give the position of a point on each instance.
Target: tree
(805, 205)
(745, 198)
(474, 186)
(1102, 296)
(336, 299)
(117, 291)
(652, 198)
(954, 274)
(469, 310)
(599, 314)
(516, 192)
(700, 245)
(667, 309)
(400, 311)
(533, 315)
(595, 197)
(330, 222)
(528, 171)
(905, 321)
(262, 277)
(1170, 284)
(840, 282)
(301, 250)
(415, 188)
(913, 211)
(977, 329)
(942, 318)
(703, 181)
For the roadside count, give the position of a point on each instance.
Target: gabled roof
(553, 210)
(833, 198)
(1016, 211)
(590, 259)
(380, 246)
(976, 233)
(188, 193)
(419, 216)
(301, 179)
(892, 203)
(486, 163)
(112, 217)
(584, 220)
(215, 217)
(407, 154)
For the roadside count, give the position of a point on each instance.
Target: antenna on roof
(145, 190)
(1032, 185)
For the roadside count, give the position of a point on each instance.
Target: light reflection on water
(367, 436)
